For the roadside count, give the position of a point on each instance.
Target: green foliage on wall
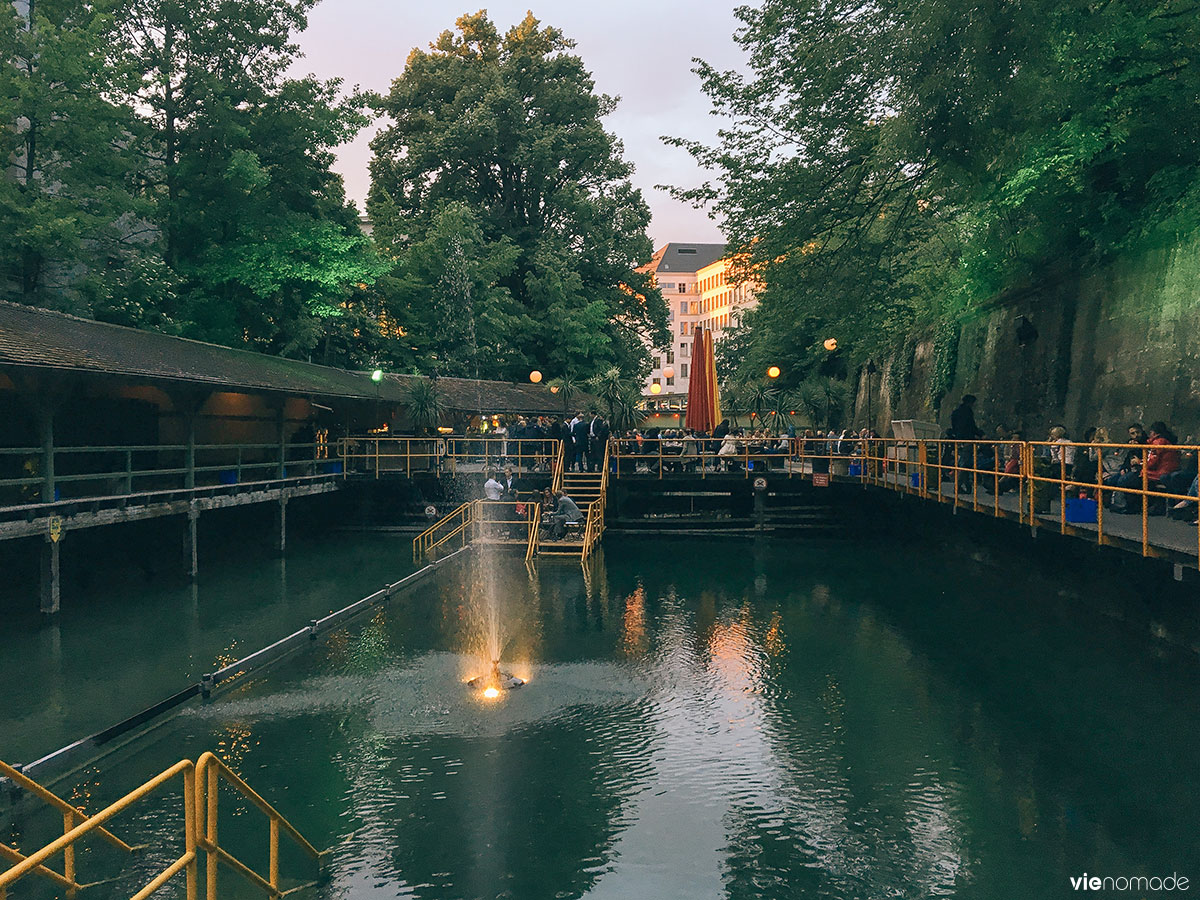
(945, 361)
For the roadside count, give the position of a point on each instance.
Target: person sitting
(729, 450)
(566, 512)
(1129, 473)
(1162, 465)
(492, 489)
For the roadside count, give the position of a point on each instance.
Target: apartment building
(722, 299)
(675, 268)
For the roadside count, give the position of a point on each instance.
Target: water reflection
(722, 729)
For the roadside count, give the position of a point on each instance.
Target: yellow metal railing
(210, 773)
(594, 529)
(455, 524)
(535, 524)
(560, 468)
(71, 817)
(34, 862)
(201, 783)
(1042, 478)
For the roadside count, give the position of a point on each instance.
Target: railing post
(210, 867)
(273, 865)
(129, 471)
(1062, 488)
(1145, 503)
(238, 469)
(69, 851)
(189, 832)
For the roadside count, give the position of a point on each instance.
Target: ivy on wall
(900, 370)
(945, 361)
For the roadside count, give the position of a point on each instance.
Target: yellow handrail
(211, 772)
(427, 540)
(535, 522)
(65, 844)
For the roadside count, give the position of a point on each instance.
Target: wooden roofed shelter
(101, 423)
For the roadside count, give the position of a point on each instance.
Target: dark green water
(709, 720)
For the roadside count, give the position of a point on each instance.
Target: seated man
(565, 512)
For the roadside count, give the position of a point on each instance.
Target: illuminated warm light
(830, 344)
(377, 375)
(656, 388)
(668, 372)
(773, 372)
(491, 693)
(554, 388)
(535, 376)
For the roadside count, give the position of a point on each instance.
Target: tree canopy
(506, 204)
(169, 174)
(898, 161)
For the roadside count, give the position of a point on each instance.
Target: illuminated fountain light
(496, 681)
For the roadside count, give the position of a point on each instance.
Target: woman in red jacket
(1161, 463)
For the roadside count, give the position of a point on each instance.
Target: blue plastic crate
(331, 468)
(856, 469)
(914, 478)
(228, 476)
(1081, 510)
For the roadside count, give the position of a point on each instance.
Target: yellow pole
(1062, 488)
(69, 852)
(273, 865)
(210, 868)
(1145, 506)
(189, 831)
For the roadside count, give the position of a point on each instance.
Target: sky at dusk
(639, 50)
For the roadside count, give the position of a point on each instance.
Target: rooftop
(40, 340)
(677, 257)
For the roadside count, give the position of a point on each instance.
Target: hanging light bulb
(535, 376)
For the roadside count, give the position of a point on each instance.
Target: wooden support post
(51, 582)
(281, 527)
(191, 555)
(189, 478)
(281, 428)
(45, 420)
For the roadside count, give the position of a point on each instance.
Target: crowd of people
(1147, 458)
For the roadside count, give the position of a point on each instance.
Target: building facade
(722, 298)
(675, 267)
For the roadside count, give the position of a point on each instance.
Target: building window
(670, 382)
(683, 370)
(669, 286)
(656, 362)
(670, 356)
(684, 351)
(682, 288)
(683, 307)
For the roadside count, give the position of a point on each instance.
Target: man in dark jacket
(579, 443)
(962, 420)
(597, 441)
(963, 428)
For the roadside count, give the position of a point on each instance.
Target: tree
(253, 221)
(902, 160)
(510, 128)
(68, 217)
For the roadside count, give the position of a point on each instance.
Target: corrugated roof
(676, 257)
(40, 339)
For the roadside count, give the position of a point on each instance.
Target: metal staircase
(199, 783)
(588, 490)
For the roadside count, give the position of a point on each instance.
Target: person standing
(579, 442)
